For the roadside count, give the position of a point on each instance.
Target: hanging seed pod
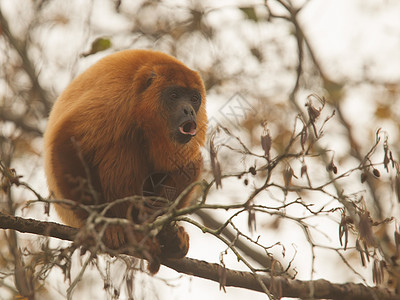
(303, 137)
(303, 170)
(288, 175)
(331, 167)
(376, 173)
(266, 143)
(252, 170)
(363, 177)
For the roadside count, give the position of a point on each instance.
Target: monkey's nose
(189, 111)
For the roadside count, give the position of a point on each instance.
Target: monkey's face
(171, 99)
(181, 107)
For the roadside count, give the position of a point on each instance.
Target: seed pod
(332, 167)
(363, 177)
(386, 151)
(376, 173)
(266, 143)
(303, 137)
(252, 170)
(215, 166)
(313, 113)
(303, 170)
(287, 176)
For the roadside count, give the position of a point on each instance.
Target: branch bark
(280, 286)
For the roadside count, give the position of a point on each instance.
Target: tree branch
(27, 64)
(257, 256)
(280, 286)
(19, 121)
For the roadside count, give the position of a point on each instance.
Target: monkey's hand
(171, 242)
(135, 243)
(174, 241)
(114, 237)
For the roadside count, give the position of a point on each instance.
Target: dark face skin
(181, 107)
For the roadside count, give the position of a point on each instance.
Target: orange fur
(121, 134)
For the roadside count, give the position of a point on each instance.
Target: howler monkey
(135, 118)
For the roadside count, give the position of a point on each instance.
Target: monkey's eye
(196, 99)
(173, 95)
(149, 81)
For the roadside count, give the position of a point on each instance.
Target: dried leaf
(363, 177)
(303, 170)
(377, 272)
(303, 137)
(215, 167)
(9, 178)
(361, 251)
(363, 262)
(391, 159)
(332, 167)
(386, 159)
(343, 231)
(251, 221)
(374, 273)
(313, 113)
(257, 53)
(365, 227)
(266, 143)
(382, 265)
(366, 250)
(288, 175)
(358, 245)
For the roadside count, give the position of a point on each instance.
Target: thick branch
(323, 289)
(202, 269)
(37, 227)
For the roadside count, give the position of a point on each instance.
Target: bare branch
(19, 121)
(27, 64)
(289, 287)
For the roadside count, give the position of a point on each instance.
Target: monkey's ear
(150, 80)
(143, 79)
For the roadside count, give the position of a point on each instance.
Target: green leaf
(250, 13)
(99, 44)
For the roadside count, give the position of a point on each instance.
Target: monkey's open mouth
(188, 127)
